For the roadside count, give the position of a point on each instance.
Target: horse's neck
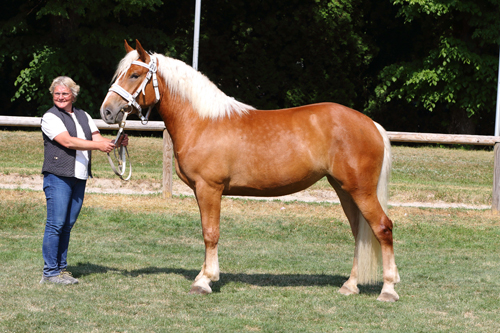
(181, 121)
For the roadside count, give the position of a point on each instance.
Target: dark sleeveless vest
(58, 159)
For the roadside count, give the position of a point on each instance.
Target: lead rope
(122, 155)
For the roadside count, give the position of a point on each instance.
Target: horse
(225, 147)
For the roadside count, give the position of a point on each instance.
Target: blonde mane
(182, 80)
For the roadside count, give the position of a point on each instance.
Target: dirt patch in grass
(147, 187)
(233, 208)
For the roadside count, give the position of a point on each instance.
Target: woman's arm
(99, 143)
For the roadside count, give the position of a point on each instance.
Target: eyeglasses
(64, 94)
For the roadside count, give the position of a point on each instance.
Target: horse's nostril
(107, 114)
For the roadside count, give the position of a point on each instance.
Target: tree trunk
(460, 122)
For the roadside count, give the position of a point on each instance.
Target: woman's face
(63, 98)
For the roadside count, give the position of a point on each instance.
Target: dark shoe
(58, 279)
(68, 277)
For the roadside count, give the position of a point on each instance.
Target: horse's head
(135, 86)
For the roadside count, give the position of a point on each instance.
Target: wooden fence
(393, 136)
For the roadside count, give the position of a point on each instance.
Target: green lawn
(282, 265)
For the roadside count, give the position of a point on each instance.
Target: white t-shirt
(52, 126)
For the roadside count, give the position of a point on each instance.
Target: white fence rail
(393, 136)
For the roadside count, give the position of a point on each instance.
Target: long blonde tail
(368, 252)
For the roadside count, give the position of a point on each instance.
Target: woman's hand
(105, 146)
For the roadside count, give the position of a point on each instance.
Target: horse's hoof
(197, 290)
(387, 297)
(345, 290)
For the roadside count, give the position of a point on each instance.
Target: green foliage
(454, 61)
(277, 54)
(451, 74)
(81, 39)
(397, 60)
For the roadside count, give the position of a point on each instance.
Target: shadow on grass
(261, 280)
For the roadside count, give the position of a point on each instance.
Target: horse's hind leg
(381, 226)
(209, 202)
(367, 249)
(372, 230)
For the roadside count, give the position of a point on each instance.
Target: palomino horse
(224, 147)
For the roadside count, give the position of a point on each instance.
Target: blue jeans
(64, 197)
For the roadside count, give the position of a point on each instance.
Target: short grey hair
(66, 82)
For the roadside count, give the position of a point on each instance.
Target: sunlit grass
(282, 264)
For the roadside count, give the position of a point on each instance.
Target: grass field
(281, 263)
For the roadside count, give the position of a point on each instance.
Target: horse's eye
(134, 76)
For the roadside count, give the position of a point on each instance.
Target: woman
(69, 136)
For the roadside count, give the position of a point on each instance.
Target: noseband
(122, 155)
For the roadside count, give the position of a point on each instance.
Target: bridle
(123, 155)
(131, 98)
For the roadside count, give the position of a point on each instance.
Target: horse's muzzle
(111, 117)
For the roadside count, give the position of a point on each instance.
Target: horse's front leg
(209, 202)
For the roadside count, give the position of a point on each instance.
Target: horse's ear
(128, 48)
(143, 55)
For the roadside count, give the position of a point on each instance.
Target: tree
(83, 39)
(271, 54)
(415, 65)
(284, 53)
(452, 66)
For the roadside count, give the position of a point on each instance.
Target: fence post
(495, 204)
(167, 165)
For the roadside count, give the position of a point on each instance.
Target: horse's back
(324, 127)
